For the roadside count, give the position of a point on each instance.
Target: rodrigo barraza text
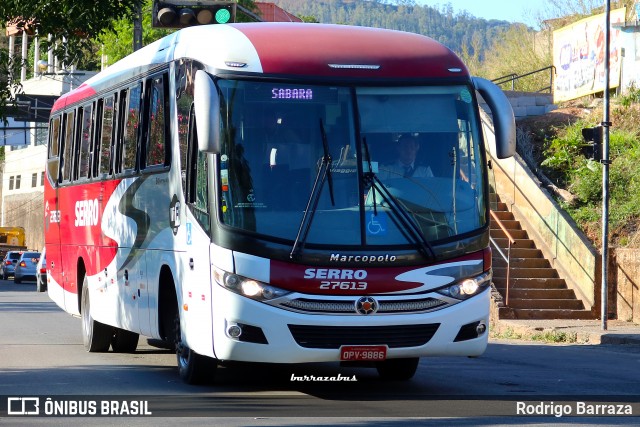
(578, 408)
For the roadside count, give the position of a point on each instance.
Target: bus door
(52, 215)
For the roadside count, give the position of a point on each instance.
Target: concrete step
(509, 224)
(559, 294)
(545, 304)
(504, 215)
(517, 262)
(515, 234)
(501, 206)
(529, 283)
(526, 272)
(520, 243)
(517, 252)
(543, 314)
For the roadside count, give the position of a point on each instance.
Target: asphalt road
(41, 354)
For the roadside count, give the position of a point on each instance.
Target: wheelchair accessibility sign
(376, 224)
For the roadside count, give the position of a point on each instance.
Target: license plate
(363, 352)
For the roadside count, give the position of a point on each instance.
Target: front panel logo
(366, 305)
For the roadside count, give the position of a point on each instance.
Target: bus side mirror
(207, 109)
(504, 122)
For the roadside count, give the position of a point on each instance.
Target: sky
(508, 10)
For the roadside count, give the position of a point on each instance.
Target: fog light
(234, 331)
(481, 328)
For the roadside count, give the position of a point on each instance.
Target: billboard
(578, 55)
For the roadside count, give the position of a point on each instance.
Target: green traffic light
(223, 16)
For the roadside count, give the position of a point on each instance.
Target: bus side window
(67, 162)
(85, 137)
(106, 137)
(53, 161)
(155, 143)
(128, 144)
(197, 183)
(184, 99)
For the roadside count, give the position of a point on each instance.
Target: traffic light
(185, 13)
(593, 137)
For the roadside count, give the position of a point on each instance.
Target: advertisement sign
(578, 55)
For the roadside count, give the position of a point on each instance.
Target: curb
(589, 334)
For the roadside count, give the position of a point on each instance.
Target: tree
(76, 21)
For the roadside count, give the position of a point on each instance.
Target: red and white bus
(231, 189)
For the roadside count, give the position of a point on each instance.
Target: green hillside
(457, 31)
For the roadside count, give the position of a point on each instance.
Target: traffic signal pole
(605, 169)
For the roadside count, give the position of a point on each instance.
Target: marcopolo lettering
(334, 273)
(362, 258)
(87, 212)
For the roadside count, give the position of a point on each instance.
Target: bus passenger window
(85, 142)
(54, 139)
(68, 146)
(132, 125)
(156, 141)
(106, 136)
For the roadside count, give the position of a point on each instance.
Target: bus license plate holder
(367, 353)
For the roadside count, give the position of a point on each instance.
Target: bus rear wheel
(398, 369)
(124, 341)
(192, 367)
(96, 336)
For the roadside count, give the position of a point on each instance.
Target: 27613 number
(345, 286)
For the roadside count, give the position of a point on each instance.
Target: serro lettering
(334, 273)
(86, 212)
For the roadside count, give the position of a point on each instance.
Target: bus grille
(348, 306)
(336, 336)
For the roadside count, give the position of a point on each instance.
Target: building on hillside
(269, 12)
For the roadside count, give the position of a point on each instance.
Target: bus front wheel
(398, 369)
(96, 336)
(192, 367)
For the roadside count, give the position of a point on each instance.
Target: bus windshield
(398, 158)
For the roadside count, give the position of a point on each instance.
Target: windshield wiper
(407, 221)
(324, 174)
(369, 176)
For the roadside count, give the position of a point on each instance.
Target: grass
(549, 336)
(565, 161)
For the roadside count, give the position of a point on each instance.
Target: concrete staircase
(535, 289)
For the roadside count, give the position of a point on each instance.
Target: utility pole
(137, 27)
(605, 168)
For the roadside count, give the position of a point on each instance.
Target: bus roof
(291, 49)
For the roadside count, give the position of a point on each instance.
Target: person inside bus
(405, 165)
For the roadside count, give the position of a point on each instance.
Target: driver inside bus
(406, 166)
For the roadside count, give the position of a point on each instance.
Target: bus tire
(96, 336)
(192, 367)
(124, 341)
(398, 369)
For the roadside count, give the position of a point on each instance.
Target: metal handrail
(507, 258)
(513, 77)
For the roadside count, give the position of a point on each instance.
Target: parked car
(26, 267)
(41, 272)
(9, 262)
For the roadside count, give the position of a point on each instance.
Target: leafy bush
(565, 161)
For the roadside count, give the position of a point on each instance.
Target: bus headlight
(249, 288)
(468, 287)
